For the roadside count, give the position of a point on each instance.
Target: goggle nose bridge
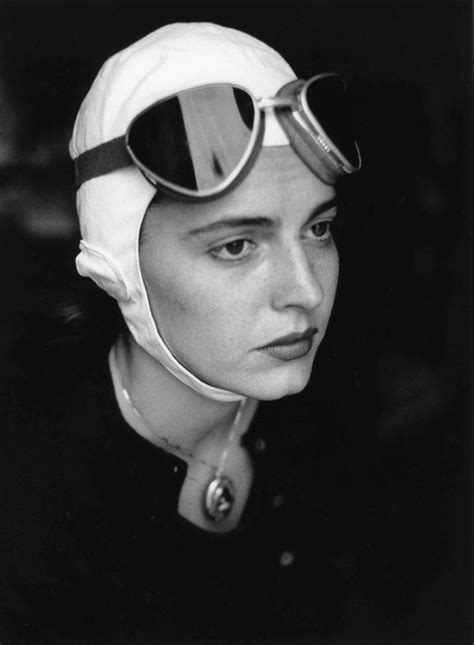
(277, 102)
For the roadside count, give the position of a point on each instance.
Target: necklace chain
(174, 447)
(219, 496)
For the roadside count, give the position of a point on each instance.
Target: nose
(297, 279)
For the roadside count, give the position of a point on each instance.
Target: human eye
(234, 250)
(320, 231)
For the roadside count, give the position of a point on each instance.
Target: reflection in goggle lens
(197, 138)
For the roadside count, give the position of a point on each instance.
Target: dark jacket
(93, 551)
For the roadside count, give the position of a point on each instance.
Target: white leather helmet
(111, 207)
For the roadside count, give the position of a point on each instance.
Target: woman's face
(229, 279)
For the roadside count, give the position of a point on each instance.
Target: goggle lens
(197, 140)
(327, 101)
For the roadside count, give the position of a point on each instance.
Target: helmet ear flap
(101, 268)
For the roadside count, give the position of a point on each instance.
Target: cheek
(334, 274)
(190, 309)
(167, 303)
(216, 314)
(329, 276)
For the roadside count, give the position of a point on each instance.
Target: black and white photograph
(236, 322)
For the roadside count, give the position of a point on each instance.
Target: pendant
(219, 498)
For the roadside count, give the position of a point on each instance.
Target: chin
(291, 379)
(273, 393)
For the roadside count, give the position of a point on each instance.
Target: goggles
(198, 143)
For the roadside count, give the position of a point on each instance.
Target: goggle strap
(104, 158)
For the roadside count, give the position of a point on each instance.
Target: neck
(169, 408)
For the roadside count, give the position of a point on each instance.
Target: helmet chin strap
(174, 367)
(201, 387)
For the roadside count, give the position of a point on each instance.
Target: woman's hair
(81, 325)
(61, 338)
(89, 315)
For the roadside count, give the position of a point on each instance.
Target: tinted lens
(326, 100)
(197, 139)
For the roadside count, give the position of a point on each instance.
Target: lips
(291, 346)
(291, 339)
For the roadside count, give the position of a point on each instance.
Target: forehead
(279, 184)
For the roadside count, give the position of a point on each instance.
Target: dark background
(402, 318)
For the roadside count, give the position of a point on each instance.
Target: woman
(167, 503)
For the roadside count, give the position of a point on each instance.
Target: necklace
(219, 495)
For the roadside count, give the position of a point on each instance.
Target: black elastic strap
(101, 160)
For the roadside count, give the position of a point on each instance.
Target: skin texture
(219, 296)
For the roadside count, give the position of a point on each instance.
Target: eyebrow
(262, 222)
